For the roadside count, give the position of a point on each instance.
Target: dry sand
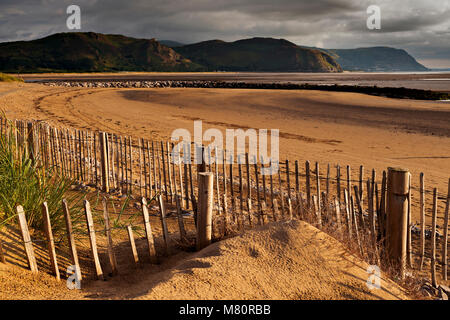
(20, 284)
(289, 260)
(279, 261)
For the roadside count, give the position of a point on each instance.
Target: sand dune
(289, 260)
(286, 260)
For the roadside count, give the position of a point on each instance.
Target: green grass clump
(25, 182)
(8, 78)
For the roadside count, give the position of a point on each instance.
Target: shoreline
(398, 93)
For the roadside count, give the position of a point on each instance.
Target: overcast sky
(422, 27)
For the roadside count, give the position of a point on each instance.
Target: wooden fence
(347, 201)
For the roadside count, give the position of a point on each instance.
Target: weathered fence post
(50, 241)
(361, 184)
(104, 161)
(151, 178)
(383, 207)
(71, 240)
(319, 201)
(317, 214)
(92, 239)
(249, 187)
(328, 181)
(27, 240)
(191, 188)
(180, 173)
(349, 179)
(288, 182)
(445, 239)
(360, 210)
(133, 244)
(140, 151)
(225, 197)
(130, 150)
(280, 190)
(337, 208)
(422, 220)
(205, 202)
(355, 224)
(162, 209)
(289, 203)
(308, 184)
(409, 257)
(260, 211)
(241, 188)
(433, 238)
(148, 231)
(372, 222)
(169, 172)
(33, 147)
(111, 255)
(338, 182)
(111, 156)
(219, 201)
(164, 171)
(397, 217)
(348, 214)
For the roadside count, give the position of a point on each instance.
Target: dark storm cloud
(420, 26)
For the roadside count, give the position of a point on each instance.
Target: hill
(258, 54)
(94, 52)
(90, 52)
(372, 59)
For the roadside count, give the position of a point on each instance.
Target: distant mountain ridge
(91, 52)
(95, 52)
(171, 44)
(258, 54)
(374, 59)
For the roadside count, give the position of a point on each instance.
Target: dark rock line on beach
(400, 93)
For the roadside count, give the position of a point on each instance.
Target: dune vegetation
(9, 78)
(24, 181)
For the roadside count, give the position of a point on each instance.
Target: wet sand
(437, 81)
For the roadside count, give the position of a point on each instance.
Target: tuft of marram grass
(25, 182)
(9, 78)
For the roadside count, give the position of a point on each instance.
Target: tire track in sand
(78, 118)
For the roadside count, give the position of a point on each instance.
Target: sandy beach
(432, 80)
(328, 127)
